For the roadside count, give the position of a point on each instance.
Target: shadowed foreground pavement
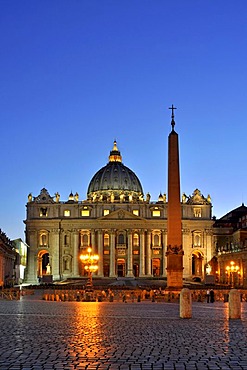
(37, 335)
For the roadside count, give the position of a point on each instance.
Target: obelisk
(174, 214)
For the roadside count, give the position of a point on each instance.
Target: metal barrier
(10, 294)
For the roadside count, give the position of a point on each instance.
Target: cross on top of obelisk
(172, 122)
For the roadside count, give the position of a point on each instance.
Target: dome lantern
(115, 155)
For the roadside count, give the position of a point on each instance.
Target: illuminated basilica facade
(122, 225)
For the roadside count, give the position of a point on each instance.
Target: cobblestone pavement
(43, 335)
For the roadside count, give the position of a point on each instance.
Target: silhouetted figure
(211, 296)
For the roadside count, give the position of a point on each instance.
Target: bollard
(185, 304)
(234, 304)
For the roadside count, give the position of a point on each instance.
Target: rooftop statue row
(118, 197)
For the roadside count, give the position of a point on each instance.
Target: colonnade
(145, 250)
(139, 259)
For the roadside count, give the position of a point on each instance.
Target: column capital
(55, 231)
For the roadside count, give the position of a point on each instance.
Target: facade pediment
(43, 197)
(197, 198)
(121, 214)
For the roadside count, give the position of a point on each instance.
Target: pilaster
(112, 254)
(149, 254)
(75, 247)
(130, 256)
(54, 257)
(164, 242)
(142, 254)
(31, 273)
(100, 253)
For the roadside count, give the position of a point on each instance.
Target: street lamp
(89, 261)
(230, 270)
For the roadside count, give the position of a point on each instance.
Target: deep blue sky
(77, 74)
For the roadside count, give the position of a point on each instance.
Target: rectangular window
(197, 212)
(66, 213)
(43, 212)
(85, 213)
(106, 252)
(106, 212)
(136, 212)
(156, 213)
(135, 252)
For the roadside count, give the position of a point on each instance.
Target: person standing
(211, 296)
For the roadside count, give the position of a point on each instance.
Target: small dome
(115, 181)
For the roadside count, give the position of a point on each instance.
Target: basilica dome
(115, 181)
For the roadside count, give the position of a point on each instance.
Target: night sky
(76, 75)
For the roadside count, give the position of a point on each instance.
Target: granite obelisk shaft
(174, 215)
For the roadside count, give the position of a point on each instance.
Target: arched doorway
(196, 266)
(136, 269)
(156, 266)
(43, 267)
(121, 267)
(106, 269)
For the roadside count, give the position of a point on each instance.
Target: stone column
(148, 262)
(187, 240)
(100, 253)
(93, 246)
(32, 269)
(112, 254)
(142, 254)
(75, 246)
(164, 239)
(54, 256)
(130, 256)
(208, 244)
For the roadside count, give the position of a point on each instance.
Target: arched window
(196, 239)
(156, 240)
(136, 240)
(106, 240)
(84, 240)
(43, 238)
(121, 239)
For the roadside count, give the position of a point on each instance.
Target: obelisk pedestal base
(175, 268)
(175, 279)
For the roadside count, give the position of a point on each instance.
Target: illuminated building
(122, 225)
(230, 233)
(21, 249)
(8, 259)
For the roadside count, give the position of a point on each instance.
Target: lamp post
(89, 261)
(231, 270)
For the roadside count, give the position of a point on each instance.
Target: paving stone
(44, 335)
